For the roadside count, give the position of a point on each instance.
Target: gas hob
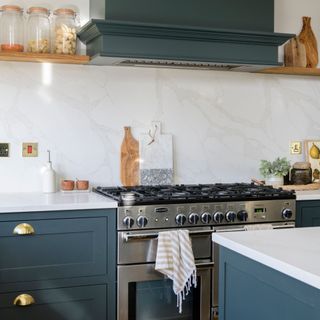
(173, 194)
(175, 206)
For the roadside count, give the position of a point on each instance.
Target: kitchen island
(270, 274)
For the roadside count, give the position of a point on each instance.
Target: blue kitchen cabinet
(66, 260)
(308, 213)
(250, 290)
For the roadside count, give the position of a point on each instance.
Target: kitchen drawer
(77, 303)
(62, 248)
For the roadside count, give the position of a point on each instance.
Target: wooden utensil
(295, 53)
(129, 171)
(302, 187)
(308, 38)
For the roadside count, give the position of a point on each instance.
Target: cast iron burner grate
(171, 194)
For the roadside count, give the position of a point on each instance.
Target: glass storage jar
(65, 31)
(11, 29)
(38, 30)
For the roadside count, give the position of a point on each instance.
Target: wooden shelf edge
(292, 71)
(44, 57)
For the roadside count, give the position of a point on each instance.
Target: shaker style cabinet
(58, 265)
(308, 213)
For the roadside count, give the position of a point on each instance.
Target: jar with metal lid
(38, 30)
(11, 29)
(65, 31)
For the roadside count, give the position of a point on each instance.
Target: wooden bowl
(67, 185)
(82, 184)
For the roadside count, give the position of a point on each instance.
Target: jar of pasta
(11, 29)
(65, 31)
(38, 30)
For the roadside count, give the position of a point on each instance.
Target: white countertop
(27, 202)
(295, 252)
(308, 195)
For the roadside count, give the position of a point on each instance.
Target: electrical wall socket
(30, 149)
(295, 147)
(4, 150)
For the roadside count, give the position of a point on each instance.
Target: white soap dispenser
(48, 177)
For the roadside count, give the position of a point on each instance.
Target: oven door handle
(285, 226)
(206, 265)
(149, 236)
(230, 230)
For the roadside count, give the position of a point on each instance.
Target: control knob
(142, 221)
(286, 213)
(181, 219)
(242, 215)
(231, 216)
(128, 222)
(206, 217)
(193, 218)
(218, 217)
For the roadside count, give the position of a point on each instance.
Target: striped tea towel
(175, 260)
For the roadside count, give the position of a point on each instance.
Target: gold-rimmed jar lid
(38, 10)
(11, 8)
(65, 11)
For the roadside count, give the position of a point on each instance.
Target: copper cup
(67, 185)
(82, 184)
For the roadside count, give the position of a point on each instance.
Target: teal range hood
(207, 34)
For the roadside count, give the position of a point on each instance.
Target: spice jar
(38, 30)
(65, 31)
(11, 29)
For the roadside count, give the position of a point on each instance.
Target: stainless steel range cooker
(144, 211)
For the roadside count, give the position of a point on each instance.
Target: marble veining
(222, 123)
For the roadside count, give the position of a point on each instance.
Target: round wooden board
(302, 187)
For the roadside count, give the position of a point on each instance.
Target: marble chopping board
(156, 157)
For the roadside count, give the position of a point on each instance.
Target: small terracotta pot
(82, 184)
(67, 185)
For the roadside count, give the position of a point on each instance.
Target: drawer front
(308, 213)
(78, 303)
(64, 248)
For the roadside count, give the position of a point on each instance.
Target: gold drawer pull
(24, 300)
(23, 229)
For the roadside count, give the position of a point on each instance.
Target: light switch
(4, 150)
(30, 149)
(295, 147)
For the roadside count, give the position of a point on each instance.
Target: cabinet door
(58, 249)
(308, 213)
(77, 303)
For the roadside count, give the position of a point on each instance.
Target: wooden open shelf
(292, 71)
(43, 57)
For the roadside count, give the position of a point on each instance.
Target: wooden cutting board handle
(308, 38)
(129, 167)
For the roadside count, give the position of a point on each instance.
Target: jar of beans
(65, 31)
(11, 29)
(38, 30)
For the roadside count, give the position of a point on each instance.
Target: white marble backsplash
(222, 123)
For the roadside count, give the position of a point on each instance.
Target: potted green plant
(273, 172)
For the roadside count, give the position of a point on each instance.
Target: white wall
(223, 123)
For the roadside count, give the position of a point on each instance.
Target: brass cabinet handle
(23, 229)
(24, 300)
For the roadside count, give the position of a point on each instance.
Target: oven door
(145, 294)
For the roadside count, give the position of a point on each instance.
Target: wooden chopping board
(295, 53)
(300, 187)
(129, 166)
